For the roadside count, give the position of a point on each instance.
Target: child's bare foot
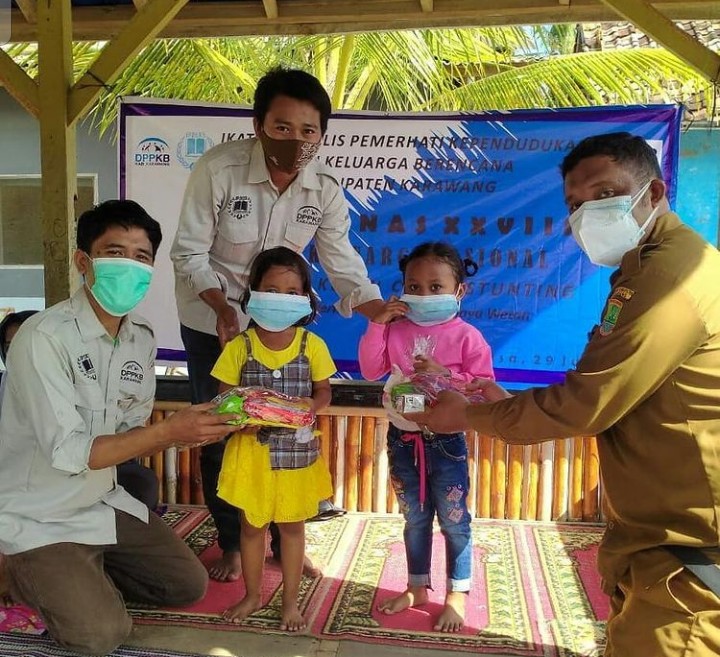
(227, 568)
(239, 612)
(452, 618)
(413, 596)
(309, 568)
(291, 619)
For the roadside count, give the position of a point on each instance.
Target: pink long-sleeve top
(457, 345)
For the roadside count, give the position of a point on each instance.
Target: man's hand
(489, 389)
(198, 425)
(389, 310)
(447, 416)
(429, 365)
(227, 325)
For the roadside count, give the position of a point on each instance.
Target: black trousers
(202, 351)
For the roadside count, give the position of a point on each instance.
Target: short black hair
(12, 319)
(626, 149)
(94, 223)
(280, 256)
(444, 252)
(293, 83)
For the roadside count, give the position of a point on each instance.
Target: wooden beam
(142, 28)
(271, 8)
(139, 4)
(227, 18)
(427, 5)
(58, 147)
(20, 85)
(28, 9)
(660, 28)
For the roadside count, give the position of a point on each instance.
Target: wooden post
(58, 147)
(367, 453)
(323, 426)
(380, 477)
(545, 489)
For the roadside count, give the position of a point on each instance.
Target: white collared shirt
(70, 382)
(231, 212)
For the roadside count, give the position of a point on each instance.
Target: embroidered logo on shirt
(610, 318)
(310, 215)
(623, 292)
(239, 206)
(86, 367)
(132, 371)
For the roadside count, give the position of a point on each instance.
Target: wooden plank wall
(552, 481)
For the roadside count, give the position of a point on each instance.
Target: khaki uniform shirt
(231, 212)
(70, 383)
(648, 385)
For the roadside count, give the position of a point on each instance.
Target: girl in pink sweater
(426, 315)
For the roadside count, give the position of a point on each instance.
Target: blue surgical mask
(276, 312)
(431, 309)
(120, 284)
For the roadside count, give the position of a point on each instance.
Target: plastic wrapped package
(264, 408)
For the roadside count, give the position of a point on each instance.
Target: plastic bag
(263, 407)
(400, 389)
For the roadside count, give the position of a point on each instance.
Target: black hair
(444, 252)
(280, 256)
(12, 319)
(94, 223)
(628, 150)
(294, 84)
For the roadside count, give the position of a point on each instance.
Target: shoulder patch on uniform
(610, 318)
(623, 292)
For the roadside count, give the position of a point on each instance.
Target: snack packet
(264, 408)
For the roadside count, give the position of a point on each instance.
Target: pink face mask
(288, 155)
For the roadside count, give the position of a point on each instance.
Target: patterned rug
(25, 645)
(535, 588)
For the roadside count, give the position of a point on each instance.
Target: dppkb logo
(191, 148)
(152, 152)
(4, 21)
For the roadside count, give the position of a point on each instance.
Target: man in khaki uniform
(648, 385)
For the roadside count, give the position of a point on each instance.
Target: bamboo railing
(557, 480)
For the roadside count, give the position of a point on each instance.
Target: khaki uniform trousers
(80, 590)
(660, 609)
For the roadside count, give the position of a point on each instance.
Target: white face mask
(606, 229)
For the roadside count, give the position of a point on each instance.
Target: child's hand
(392, 309)
(310, 403)
(489, 389)
(427, 364)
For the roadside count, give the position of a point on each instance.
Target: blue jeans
(447, 485)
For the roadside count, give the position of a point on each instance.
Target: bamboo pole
(514, 482)
(324, 427)
(561, 472)
(171, 475)
(576, 480)
(471, 439)
(380, 487)
(196, 490)
(591, 477)
(485, 477)
(498, 480)
(367, 469)
(183, 494)
(337, 466)
(352, 451)
(533, 481)
(545, 488)
(158, 466)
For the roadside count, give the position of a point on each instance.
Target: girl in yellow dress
(275, 474)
